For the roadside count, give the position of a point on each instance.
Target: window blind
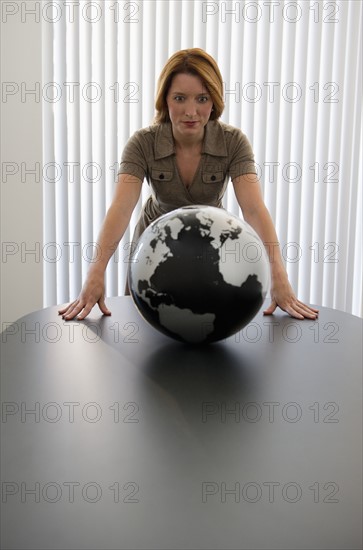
(292, 75)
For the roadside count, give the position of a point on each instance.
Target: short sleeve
(133, 160)
(242, 159)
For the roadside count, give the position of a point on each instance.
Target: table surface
(116, 437)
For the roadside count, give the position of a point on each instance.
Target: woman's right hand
(93, 292)
(118, 216)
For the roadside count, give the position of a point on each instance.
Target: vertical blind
(292, 74)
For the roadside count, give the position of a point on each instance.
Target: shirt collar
(214, 141)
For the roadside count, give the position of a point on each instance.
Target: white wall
(21, 149)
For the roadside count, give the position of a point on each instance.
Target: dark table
(115, 436)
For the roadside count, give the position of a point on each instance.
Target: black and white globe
(199, 274)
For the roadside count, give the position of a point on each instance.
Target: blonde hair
(193, 61)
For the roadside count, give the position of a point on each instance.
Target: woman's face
(189, 105)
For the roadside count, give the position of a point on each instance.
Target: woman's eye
(202, 99)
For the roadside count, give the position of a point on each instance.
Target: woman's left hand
(283, 296)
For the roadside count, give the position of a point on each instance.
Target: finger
(67, 311)
(85, 312)
(66, 308)
(307, 311)
(293, 313)
(73, 312)
(271, 308)
(103, 307)
(312, 308)
(313, 311)
(298, 310)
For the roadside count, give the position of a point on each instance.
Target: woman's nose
(190, 109)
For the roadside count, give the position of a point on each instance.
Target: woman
(188, 157)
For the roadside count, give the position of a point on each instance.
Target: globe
(199, 274)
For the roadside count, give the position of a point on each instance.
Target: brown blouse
(150, 154)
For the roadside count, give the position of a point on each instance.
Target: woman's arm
(249, 197)
(126, 195)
